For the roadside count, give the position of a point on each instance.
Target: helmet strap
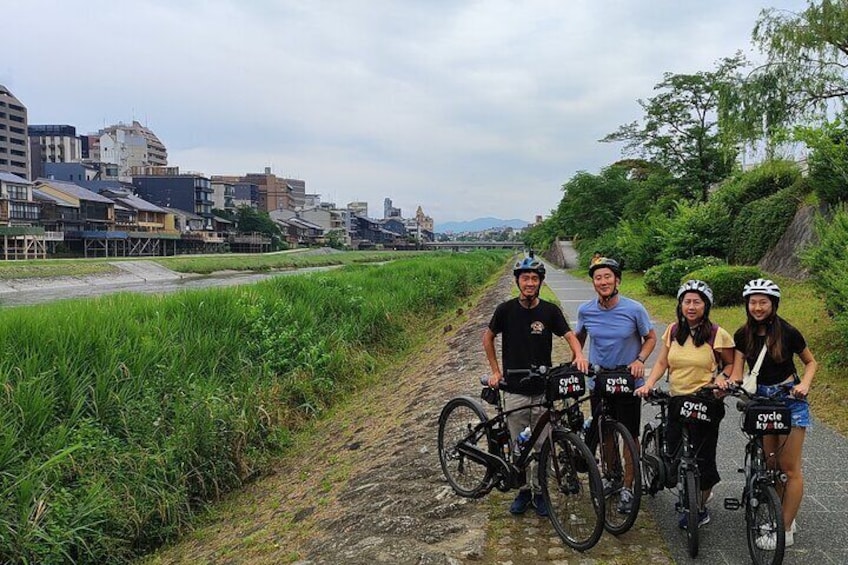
(605, 302)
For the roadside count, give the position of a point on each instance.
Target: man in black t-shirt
(527, 325)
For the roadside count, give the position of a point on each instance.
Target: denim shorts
(800, 407)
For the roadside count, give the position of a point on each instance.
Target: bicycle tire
(764, 518)
(615, 460)
(459, 417)
(692, 496)
(575, 499)
(651, 461)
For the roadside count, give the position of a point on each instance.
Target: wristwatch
(641, 359)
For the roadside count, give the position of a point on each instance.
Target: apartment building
(274, 191)
(190, 192)
(127, 146)
(14, 148)
(52, 143)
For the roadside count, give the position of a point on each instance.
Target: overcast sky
(468, 109)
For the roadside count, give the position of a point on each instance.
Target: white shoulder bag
(749, 382)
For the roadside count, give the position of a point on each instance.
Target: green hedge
(665, 278)
(763, 181)
(726, 281)
(760, 225)
(696, 229)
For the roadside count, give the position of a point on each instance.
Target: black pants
(703, 437)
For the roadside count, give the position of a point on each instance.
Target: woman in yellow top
(692, 350)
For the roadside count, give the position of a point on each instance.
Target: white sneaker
(767, 542)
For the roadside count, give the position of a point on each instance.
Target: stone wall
(783, 258)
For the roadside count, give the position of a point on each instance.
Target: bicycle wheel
(651, 462)
(621, 477)
(692, 497)
(458, 423)
(764, 521)
(571, 485)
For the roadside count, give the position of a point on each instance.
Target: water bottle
(522, 440)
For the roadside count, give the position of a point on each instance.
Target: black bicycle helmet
(605, 263)
(529, 265)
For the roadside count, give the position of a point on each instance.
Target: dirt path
(365, 486)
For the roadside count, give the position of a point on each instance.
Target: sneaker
(540, 504)
(625, 501)
(790, 539)
(703, 519)
(521, 502)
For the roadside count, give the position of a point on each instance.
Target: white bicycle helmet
(700, 287)
(761, 286)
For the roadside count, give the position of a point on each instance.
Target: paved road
(822, 536)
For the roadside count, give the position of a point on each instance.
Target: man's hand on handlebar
(495, 379)
(581, 363)
(642, 391)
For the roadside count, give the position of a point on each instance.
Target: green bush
(696, 229)
(761, 224)
(757, 183)
(827, 261)
(666, 277)
(640, 242)
(726, 281)
(606, 244)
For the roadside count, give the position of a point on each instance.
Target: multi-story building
(68, 207)
(52, 143)
(358, 208)
(71, 172)
(274, 192)
(128, 146)
(190, 192)
(223, 192)
(17, 207)
(426, 222)
(390, 211)
(296, 189)
(14, 148)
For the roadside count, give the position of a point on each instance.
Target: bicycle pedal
(732, 504)
(740, 470)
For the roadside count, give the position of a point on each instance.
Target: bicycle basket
(565, 382)
(767, 418)
(615, 383)
(695, 409)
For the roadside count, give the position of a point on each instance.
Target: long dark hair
(701, 333)
(774, 333)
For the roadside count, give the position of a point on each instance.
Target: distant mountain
(479, 224)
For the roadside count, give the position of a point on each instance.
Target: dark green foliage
(639, 241)
(827, 262)
(760, 225)
(666, 277)
(760, 182)
(697, 229)
(592, 203)
(605, 244)
(828, 160)
(726, 281)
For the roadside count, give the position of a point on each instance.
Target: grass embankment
(205, 264)
(122, 416)
(803, 307)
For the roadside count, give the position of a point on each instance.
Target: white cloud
(465, 108)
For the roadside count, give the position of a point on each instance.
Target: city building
(223, 194)
(52, 143)
(358, 208)
(296, 189)
(14, 147)
(71, 172)
(68, 207)
(128, 146)
(274, 192)
(17, 206)
(390, 211)
(189, 192)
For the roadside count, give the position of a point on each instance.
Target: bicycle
(761, 416)
(658, 462)
(617, 454)
(477, 454)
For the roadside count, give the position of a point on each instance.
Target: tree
(249, 220)
(592, 203)
(680, 129)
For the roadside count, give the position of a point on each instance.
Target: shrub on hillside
(757, 183)
(760, 225)
(697, 229)
(640, 242)
(666, 277)
(606, 244)
(726, 281)
(827, 261)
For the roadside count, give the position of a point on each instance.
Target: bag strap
(749, 383)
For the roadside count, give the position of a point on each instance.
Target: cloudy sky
(468, 109)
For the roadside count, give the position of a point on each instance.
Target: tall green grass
(121, 416)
